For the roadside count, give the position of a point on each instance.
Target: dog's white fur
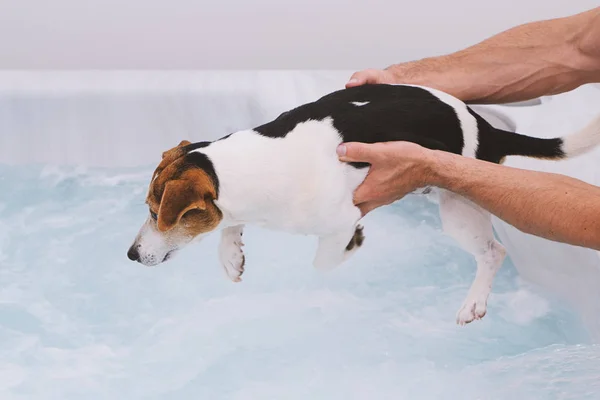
(297, 184)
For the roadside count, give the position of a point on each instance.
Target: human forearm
(548, 205)
(524, 62)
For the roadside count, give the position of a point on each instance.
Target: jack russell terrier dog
(285, 175)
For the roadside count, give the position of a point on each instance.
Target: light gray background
(252, 34)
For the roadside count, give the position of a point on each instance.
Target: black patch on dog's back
(392, 113)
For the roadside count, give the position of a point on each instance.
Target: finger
(367, 76)
(357, 79)
(356, 152)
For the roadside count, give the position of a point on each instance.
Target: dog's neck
(252, 185)
(247, 202)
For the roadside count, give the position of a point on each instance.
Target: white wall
(128, 118)
(192, 34)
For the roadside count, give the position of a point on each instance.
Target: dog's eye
(153, 215)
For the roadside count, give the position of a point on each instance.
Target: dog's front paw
(232, 259)
(472, 309)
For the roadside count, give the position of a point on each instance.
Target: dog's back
(381, 113)
(429, 117)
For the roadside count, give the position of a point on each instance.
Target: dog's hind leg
(231, 254)
(335, 249)
(471, 227)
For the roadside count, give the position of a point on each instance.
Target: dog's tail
(577, 143)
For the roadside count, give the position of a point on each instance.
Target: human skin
(531, 60)
(524, 62)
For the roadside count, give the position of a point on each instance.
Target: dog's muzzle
(134, 255)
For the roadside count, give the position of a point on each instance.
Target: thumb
(356, 152)
(359, 78)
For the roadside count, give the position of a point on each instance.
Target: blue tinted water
(78, 320)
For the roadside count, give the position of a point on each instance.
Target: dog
(285, 175)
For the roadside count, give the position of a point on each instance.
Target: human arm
(548, 205)
(530, 60)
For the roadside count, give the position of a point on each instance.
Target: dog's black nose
(133, 254)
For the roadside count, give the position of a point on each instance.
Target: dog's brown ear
(190, 192)
(177, 149)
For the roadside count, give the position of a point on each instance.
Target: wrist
(419, 72)
(442, 169)
(434, 72)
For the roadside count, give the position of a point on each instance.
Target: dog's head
(181, 206)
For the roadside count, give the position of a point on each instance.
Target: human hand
(371, 76)
(427, 72)
(445, 73)
(397, 168)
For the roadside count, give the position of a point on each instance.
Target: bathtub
(79, 320)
